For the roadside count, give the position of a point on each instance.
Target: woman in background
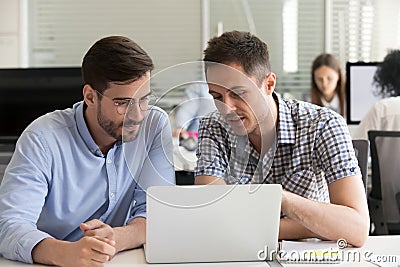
(328, 83)
(385, 114)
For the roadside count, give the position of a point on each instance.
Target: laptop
(212, 223)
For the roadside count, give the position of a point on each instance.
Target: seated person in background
(385, 115)
(328, 83)
(71, 194)
(196, 103)
(313, 160)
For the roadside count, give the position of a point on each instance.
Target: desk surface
(376, 245)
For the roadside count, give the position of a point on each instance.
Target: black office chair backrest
(361, 149)
(385, 163)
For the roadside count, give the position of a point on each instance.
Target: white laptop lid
(212, 223)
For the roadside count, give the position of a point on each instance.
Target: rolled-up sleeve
(139, 207)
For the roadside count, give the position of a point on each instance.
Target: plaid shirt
(313, 148)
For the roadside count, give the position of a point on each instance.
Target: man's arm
(132, 235)
(88, 251)
(208, 179)
(22, 195)
(345, 217)
(290, 229)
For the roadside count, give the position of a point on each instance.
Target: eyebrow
(129, 98)
(237, 87)
(234, 88)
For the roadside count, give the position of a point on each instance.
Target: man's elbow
(360, 236)
(208, 180)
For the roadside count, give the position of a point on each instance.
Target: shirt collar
(334, 104)
(286, 127)
(84, 131)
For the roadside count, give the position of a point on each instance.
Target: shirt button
(112, 195)
(109, 161)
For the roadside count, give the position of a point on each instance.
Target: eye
(145, 98)
(121, 102)
(238, 94)
(216, 96)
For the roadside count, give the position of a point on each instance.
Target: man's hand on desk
(97, 228)
(129, 236)
(88, 251)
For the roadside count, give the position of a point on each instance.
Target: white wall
(9, 33)
(388, 30)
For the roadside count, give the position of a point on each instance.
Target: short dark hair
(241, 48)
(387, 76)
(114, 59)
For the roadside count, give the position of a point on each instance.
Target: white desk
(378, 245)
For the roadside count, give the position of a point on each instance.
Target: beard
(252, 123)
(116, 130)
(130, 135)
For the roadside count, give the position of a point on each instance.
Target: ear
(269, 83)
(89, 95)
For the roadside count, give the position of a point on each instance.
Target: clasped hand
(97, 245)
(97, 228)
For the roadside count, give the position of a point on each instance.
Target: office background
(47, 33)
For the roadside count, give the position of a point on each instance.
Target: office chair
(361, 150)
(384, 199)
(7, 146)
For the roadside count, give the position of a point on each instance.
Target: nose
(324, 82)
(226, 105)
(134, 112)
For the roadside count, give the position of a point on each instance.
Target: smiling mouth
(236, 120)
(132, 127)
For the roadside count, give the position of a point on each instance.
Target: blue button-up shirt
(59, 178)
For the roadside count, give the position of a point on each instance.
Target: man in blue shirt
(73, 193)
(257, 137)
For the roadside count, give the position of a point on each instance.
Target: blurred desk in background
(184, 163)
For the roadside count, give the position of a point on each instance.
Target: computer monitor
(361, 93)
(26, 94)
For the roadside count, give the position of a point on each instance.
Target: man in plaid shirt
(258, 137)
